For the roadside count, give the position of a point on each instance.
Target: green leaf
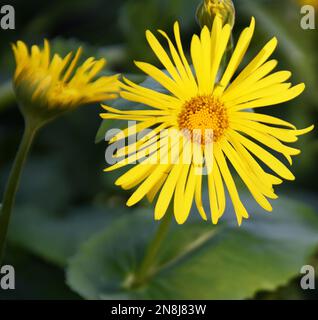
(198, 260)
(56, 238)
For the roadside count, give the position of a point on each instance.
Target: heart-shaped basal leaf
(198, 260)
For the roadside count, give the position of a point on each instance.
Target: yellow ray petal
(238, 206)
(219, 43)
(155, 176)
(179, 209)
(265, 156)
(198, 196)
(190, 84)
(282, 134)
(261, 58)
(151, 152)
(244, 87)
(168, 189)
(258, 117)
(163, 57)
(72, 66)
(268, 140)
(198, 162)
(304, 131)
(253, 188)
(219, 188)
(276, 99)
(189, 193)
(201, 59)
(148, 184)
(237, 57)
(261, 180)
(262, 93)
(154, 191)
(215, 214)
(135, 175)
(254, 166)
(146, 113)
(161, 100)
(132, 130)
(176, 29)
(155, 134)
(161, 78)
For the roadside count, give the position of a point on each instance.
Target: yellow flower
(199, 99)
(47, 86)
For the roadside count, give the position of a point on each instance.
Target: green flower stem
(30, 130)
(151, 255)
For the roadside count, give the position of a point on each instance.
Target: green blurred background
(65, 199)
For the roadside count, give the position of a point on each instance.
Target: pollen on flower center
(204, 118)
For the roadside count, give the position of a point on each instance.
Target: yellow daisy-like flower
(52, 85)
(199, 99)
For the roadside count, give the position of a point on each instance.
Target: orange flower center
(204, 119)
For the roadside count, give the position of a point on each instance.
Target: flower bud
(209, 9)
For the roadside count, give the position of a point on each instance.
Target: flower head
(47, 86)
(196, 100)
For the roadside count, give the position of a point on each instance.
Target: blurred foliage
(70, 217)
(35, 279)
